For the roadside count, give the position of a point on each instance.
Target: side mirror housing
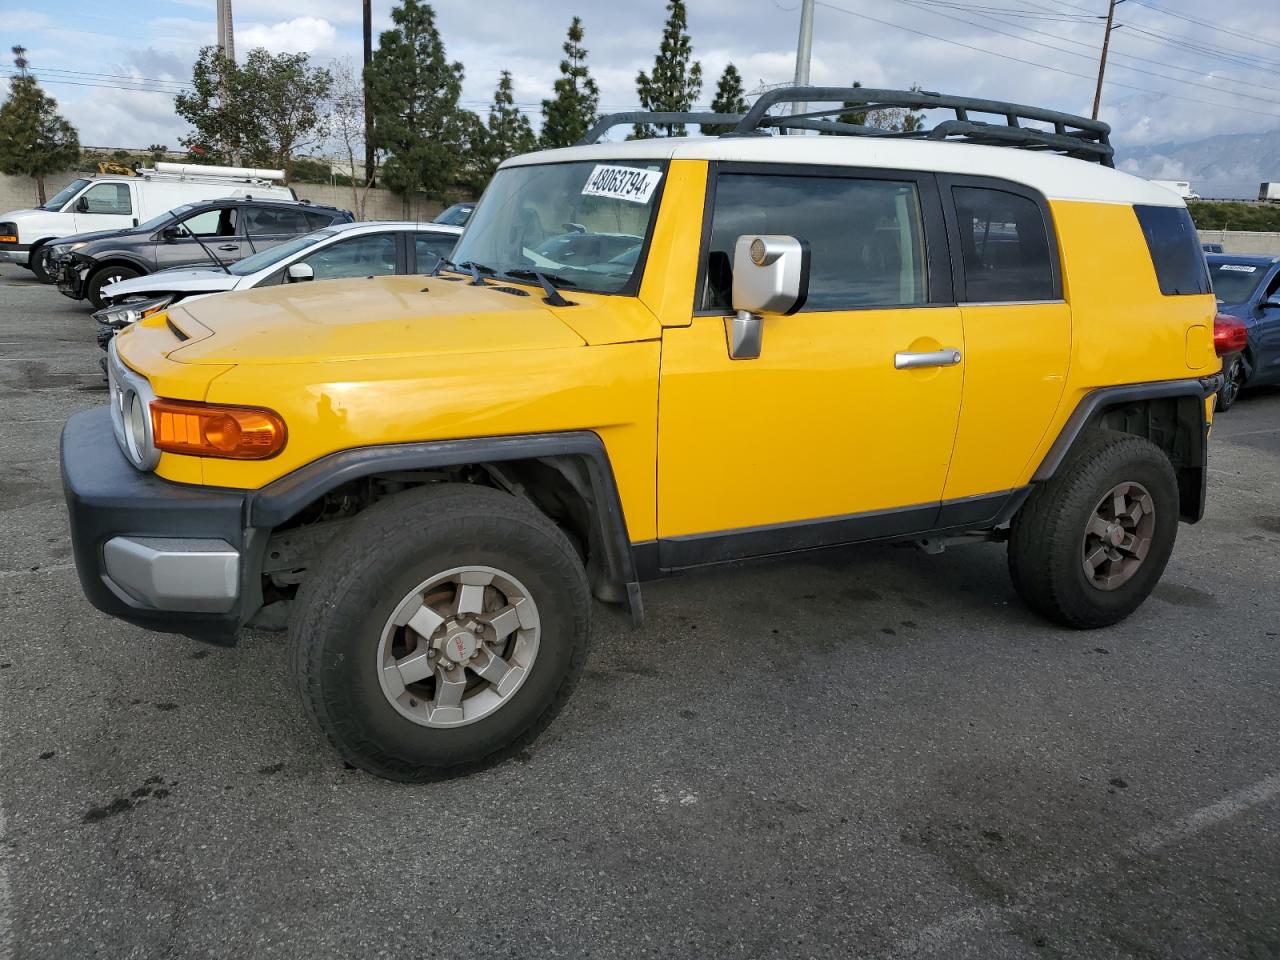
(770, 278)
(82, 205)
(1271, 302)
(172, 232)
(300, 272)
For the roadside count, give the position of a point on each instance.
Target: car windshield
(273, 255)
(1235, 282)
(155, 223)
(581, 225)
(59, 199)
(457, 215)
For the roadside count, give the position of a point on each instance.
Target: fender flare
(281, 500)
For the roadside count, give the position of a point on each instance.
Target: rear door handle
(935, 358)
(229, 246)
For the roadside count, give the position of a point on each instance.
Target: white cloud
(300, 35)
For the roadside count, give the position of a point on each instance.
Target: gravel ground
(864, 752)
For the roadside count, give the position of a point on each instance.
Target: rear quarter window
(1175, 250)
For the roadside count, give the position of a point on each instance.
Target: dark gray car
(209, 233)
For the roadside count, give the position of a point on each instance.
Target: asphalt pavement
(860, 753)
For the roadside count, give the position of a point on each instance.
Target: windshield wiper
(553, 296)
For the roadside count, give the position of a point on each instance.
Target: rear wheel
(103, 276)
(1233, 377)
(1089, 545)
(445, 631)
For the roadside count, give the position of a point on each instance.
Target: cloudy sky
(1180, 69)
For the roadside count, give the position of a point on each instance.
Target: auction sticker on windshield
(622, 183)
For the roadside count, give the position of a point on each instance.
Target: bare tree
(347, 130)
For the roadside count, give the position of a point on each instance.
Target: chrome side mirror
(770, 278)
(299, 272)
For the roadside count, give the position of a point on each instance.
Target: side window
(430, 247)
(276, 221)
(108, 198)
(317, 220)
(866, 239)
(1004, 245)
(1175, 250)
(371, 255)
(212, 223)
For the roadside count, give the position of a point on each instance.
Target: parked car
(119, 203)
(1248, 289)
(816, 345)
(342, 250)
(456, 215)
(217, 232)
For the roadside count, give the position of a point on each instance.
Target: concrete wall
(1239, 241)
(18, 193)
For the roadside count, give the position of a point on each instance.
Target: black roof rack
(1070, 135)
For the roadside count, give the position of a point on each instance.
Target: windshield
(59, 199)
(1235, 282)
(273, 255)
(155, 223)
(582, 225)
(457, 215)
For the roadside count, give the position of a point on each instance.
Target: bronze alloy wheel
(1118, 535)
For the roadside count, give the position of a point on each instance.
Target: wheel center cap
(460, 645)
(1115, 534)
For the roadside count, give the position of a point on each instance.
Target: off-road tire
(1045, 543)
(101, 277)
(347, 598)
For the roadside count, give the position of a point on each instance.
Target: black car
(208, 233)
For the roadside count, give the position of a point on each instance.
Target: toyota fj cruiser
(650, 357)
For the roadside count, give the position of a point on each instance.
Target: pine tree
(577, 98)
(35, 140)
(729, 98)
(675, 83)
(413, 96)
(508, 132)
(852, 115)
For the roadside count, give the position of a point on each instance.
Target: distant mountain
(1226, 165)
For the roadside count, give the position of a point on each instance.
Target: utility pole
(368, 114)
(1102, 61)
(804, 50)
(227, 44)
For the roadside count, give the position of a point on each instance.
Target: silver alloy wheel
(1118, 535)
(458, 646)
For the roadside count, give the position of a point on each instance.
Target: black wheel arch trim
(281, 500)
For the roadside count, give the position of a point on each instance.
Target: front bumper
(10, 253)
(70, 273)
(164, 556)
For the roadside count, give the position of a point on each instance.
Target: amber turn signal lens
(8, 238)
(213, 430)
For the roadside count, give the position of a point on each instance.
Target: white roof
(1055, 176)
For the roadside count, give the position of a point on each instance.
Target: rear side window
(1004, 244)
(866, 237)
(1175, 250)
(276, 221)
(318, 220)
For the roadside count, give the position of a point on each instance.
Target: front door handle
(934, 358)
(229, 246)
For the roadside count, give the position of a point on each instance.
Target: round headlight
(137, 427)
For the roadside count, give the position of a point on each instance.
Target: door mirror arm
(770, 278)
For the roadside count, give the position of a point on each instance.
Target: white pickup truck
(117, 202)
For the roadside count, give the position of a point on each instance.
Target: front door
(206, 239)
(105, 206)
(1267, 332)
(833, 433)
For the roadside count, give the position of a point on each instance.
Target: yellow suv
(655, 356)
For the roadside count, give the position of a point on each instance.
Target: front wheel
(1089, 546)
(104, 276)
(39, 263)
(445, 631)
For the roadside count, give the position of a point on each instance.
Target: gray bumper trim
(180, 574)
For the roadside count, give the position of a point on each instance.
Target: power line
(1042, 66)
(44, 71)
(1090, 57)
(1205, 23)
(1126, 56)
